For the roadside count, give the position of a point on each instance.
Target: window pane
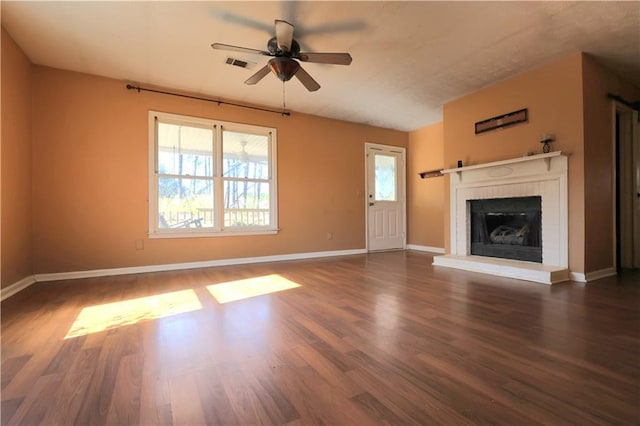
(246, 203)
(245, 155)
(385, 177)
(185, 203)
(185, 150)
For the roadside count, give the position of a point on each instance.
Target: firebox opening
(509, 228)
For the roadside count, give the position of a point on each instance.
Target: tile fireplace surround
(543, 175)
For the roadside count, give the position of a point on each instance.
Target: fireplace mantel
(543, 175)
(546, 158)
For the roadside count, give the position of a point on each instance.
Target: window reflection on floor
(243, 289)
(94, 319)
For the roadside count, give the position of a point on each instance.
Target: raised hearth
(509, 218)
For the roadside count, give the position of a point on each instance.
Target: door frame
(403, 152)
(626, 145)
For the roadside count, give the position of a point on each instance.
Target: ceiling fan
(285, 53)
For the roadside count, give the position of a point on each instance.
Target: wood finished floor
(383, 338)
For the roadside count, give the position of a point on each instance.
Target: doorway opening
(627, 188)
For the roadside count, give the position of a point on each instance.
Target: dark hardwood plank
(382, 338)
(155, 399)
(9, 408)
(382, 412)
(11, 367)
(68, 398)
(66, 356)
(186, 406)
(215, 402)
(243, 400)
(35, 404)
(99, 393)
(23, 381)
(125, 403)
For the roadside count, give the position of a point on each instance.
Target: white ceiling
(409, 58)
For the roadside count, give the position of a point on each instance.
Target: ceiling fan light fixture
(285, 53)
(284, 68)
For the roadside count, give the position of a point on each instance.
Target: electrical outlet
(329, 235)
(139, 244)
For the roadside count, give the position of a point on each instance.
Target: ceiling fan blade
(325, 58)
(284, 34)
(258, 76)
(222, 46)
(306, 80)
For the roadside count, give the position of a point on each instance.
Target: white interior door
(385, 197)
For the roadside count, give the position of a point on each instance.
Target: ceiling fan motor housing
(283, 67)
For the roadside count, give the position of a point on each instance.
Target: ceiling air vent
(240, 63)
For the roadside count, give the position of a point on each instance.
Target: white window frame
(219, 229)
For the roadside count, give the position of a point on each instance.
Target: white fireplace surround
(543, 175)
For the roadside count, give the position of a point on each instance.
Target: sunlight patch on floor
(243, 289)
(94, 319)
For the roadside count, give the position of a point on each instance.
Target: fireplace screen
(510, 228)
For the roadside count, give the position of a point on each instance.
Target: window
(210, 177)
(385, 177)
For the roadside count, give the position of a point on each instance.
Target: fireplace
(510, 218)
(509, 228)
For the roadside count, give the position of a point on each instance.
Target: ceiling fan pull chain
(284, 104)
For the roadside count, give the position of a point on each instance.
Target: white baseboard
(17, 287)
(32, 279)
(192, 265)
(416, 247)
(577, 276)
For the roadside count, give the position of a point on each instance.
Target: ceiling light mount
(274, 49)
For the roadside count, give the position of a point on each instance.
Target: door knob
(370, 204)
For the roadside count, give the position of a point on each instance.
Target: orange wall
(425, 197)
(599, 159)
(553, 96)
(90, 160)
(16, 163)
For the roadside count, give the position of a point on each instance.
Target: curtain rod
(215, 101)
